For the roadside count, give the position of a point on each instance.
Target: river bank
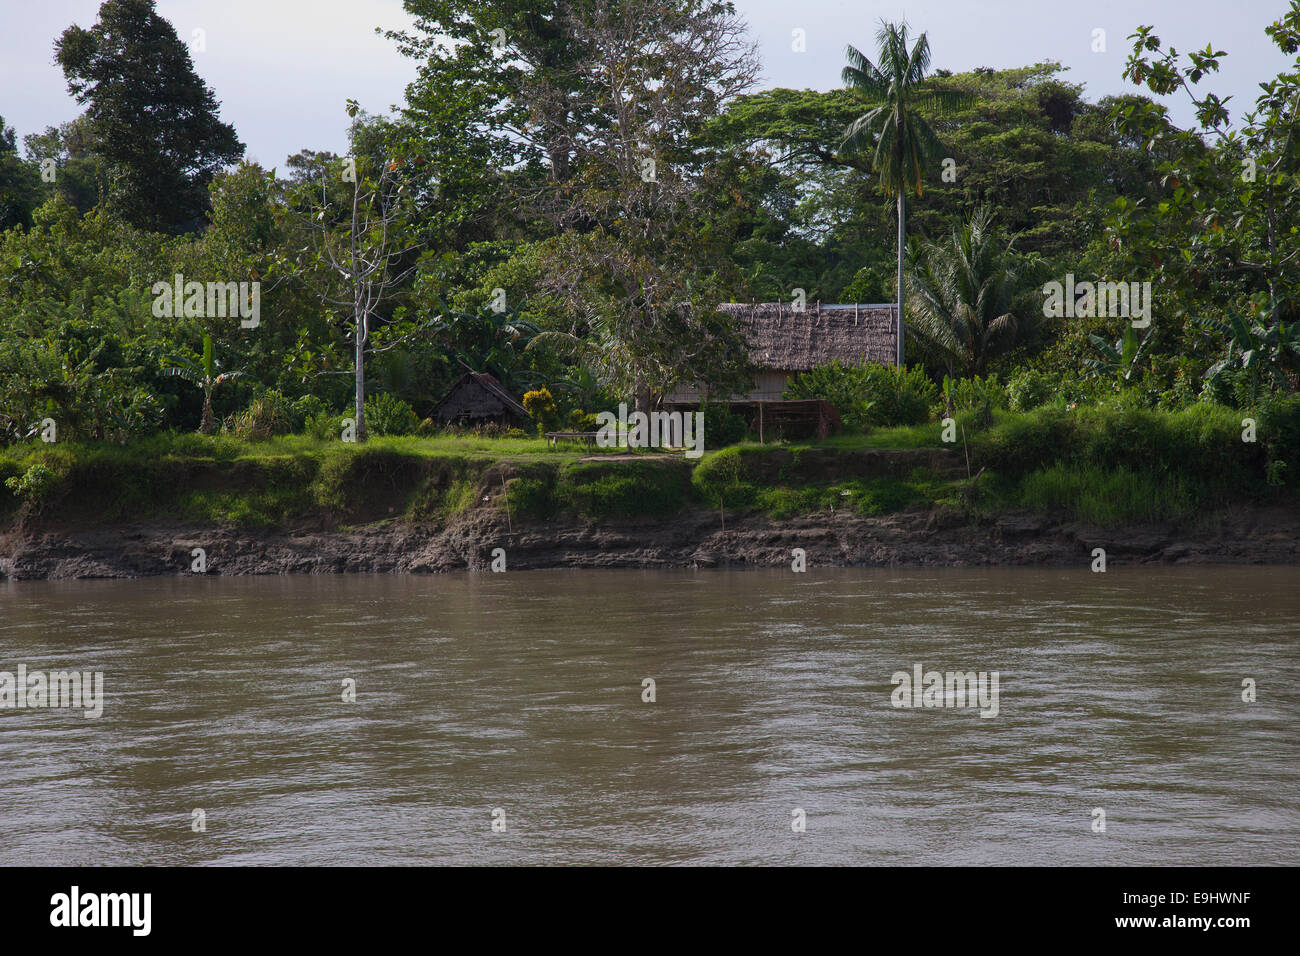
(939, 537)
(1045, 488)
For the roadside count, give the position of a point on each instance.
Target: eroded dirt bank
(935, 538)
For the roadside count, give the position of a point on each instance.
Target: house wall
(769, 385)
(471, 400)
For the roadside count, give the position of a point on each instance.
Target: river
(518, 699)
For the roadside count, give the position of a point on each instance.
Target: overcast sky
(283, 69)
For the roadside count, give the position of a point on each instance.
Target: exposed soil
(931, 538)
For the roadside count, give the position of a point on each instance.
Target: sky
(283, 69)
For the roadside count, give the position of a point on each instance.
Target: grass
(1097, 464)
(1109, 497)
(624, 488)
(875, 496)
(904, 436)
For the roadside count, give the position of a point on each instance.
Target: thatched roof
(782, 339)
(499, 400)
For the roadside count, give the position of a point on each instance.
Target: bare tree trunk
(358, 333)
(902, 239)
(359, 326)
(363, 257)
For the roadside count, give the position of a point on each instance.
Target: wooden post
(760, 421)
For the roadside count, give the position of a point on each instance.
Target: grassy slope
(1103, 466)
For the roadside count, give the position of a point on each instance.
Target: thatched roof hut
(783, 342)
(781, 339)
(477, 397)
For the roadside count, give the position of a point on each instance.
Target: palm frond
(918, 63)
(942, 101)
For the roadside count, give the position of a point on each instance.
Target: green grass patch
(1102, 464)
(734, 478)
(1109, 497)
(623, 488)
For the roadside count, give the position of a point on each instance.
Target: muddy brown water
(522, 694)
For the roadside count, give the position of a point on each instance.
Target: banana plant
(1123, 358)
(1268, 351)
(203, 373)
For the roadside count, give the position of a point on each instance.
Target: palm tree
(962, 295)
(204, 374)
(902, 143)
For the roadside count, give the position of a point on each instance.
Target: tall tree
(902, 142)
(1225, 225)
(151, 117)
(76, 172)
(366, 249)
(579, 122)
(645, 205)
(19, 188)
(494, 105)
(962, 296)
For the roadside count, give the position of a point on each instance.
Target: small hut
(783, 342)
(477, 398)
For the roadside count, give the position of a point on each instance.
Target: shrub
(323, 426)
(386, 414)
(1203, 440)
(1021, 442)
(899, 396)
(533, 497)
(980, 395)
(721, 427)
(718, 480)
(1185, 383)
(1029, 389)
(844, 386)
(307, 407)
(268, 415)
(869, 395)
(540, 404)
(34, 485)
(1278, 427)
(1202, 443)
(580, 421)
